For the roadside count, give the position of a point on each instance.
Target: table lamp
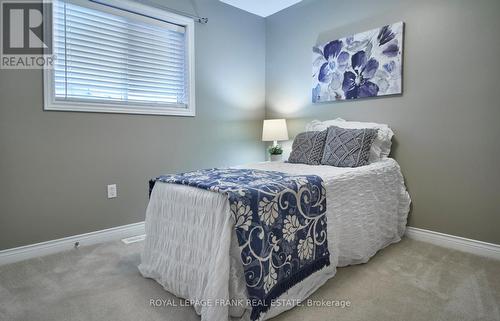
(274, 130)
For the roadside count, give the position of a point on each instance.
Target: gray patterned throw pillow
(347, 147)
(307, 148)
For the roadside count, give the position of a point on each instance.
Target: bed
(191, 248)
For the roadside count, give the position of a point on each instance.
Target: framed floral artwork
(368, 64)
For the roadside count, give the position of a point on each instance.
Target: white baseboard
(137, 229)
(455, 242)
(67, 243)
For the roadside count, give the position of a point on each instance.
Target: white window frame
(50, 103)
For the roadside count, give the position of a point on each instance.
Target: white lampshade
(274, 130)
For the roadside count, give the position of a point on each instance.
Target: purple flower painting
(368, 64)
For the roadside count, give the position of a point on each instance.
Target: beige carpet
(407, 281)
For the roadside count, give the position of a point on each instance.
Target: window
(120, 57)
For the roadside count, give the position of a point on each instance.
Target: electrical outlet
(112, 191)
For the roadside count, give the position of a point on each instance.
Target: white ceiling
(262, 8)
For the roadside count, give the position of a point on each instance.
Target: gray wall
(54, 166)
(446, 121)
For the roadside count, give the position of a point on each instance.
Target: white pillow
(381, 146)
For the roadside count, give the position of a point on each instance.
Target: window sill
(187, 112)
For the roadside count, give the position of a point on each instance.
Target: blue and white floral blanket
(280, 224)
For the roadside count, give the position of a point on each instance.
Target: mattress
(190, 248)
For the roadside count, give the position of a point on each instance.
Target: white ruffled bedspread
(190, 248)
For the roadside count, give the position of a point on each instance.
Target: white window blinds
(112, 57)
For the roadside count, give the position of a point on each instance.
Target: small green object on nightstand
(275, 152)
